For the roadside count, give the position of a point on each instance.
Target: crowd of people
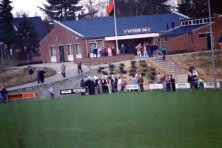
(95, 85)
(146, 49)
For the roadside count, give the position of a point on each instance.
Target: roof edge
(174, 12)
(68, 28)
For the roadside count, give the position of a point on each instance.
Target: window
(203, 35)
(165, 39)
(95, 44)
(53, 51)
(70, 51)
(197, 21)
(183, 23)
(78, 49)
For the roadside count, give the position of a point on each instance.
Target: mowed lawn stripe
(130, 119)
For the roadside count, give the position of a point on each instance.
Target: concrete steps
(169, 67)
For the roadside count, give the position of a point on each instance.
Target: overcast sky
(28, 6)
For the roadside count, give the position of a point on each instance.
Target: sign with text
(156, 86)
(211, 85)
(182, 85)
(132, 87)
(72, 91)
(136, 30)
(28, 95)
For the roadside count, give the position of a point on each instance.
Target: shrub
(121, 64)
(104, 72)
(29, 63)
(133, 62)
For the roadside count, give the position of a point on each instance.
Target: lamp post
(211, 45)
(1, 43)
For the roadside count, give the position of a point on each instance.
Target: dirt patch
(202, 63)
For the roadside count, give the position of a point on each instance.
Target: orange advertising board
(22, 96)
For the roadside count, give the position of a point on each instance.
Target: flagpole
(211, 47)
(117, 48)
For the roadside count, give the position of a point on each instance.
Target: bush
(123, 71)
(143, 64)
(133, 62)
(111, 66)
(153, 73)
(104, 72)
(29, 63)
(121, 64)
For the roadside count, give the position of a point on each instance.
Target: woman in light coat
(118, 84)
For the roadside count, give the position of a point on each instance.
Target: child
(51, 90)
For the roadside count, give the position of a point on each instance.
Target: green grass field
(147, 119)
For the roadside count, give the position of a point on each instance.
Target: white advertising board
(156, 86)
(132, 87)
(211, 85)
(182, 85)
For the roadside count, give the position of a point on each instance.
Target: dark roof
(181, 30)
(104, 27)
(37, 23)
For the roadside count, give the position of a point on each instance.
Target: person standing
(31, 71)
(100, 86)
(155, 50)
(79, 63)
(100, 52)
(129, 48)
(158, 78)
(51, 90)
(41, 75)
(38, 75)
(138, 49)
(123, 49)
(144, 50)
(135, 81)
(172, 80)
(164, 51)
(140, 81)
(150, 50)
(113, 83)
(82, 85)
(63, 70)
(220, 40)
(4, 94)
(167, 80)
(119, 84)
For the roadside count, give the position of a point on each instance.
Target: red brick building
(77, 39)
(192, 35)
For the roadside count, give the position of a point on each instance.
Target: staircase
(172, 68)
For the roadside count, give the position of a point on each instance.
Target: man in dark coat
(82, 84)
(103, 85)
(4, 94)
(41, 75)
(91, 87)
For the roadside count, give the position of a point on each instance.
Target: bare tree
(94, 8)
(21, 13)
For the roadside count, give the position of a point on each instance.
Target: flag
(110, 8)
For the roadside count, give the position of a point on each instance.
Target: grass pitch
(133, 119)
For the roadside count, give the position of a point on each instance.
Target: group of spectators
(104, 51)
(39, 74)
(95, 85)
(148, 50)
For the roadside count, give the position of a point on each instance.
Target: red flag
(110, 7)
